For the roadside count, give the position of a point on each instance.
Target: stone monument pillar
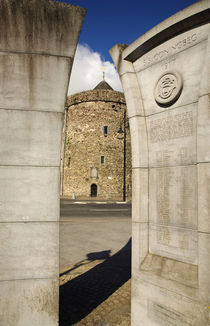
(37, 45)
(166, 79)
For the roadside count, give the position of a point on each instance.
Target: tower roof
(103, 85)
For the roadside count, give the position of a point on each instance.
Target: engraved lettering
(187, 41)
(162, 191)
(184, 42)
(194, 37)
(184, 156)
(186, 202)
(156, 56)
(168, 62)
(159, 312)
(163, 237)
(183, 241)
(181, 125)
(163, 157)
(179, 45)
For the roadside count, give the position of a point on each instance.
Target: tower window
(102, 159)
(69, 161)
(105, 131)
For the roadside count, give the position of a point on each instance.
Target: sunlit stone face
(168, 88)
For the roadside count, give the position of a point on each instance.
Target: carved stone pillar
(166, 79)
(37, 45)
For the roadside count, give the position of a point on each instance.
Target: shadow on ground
(100, 255)
(84, 293)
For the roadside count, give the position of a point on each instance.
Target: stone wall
(85, 143)
(165, 77)
(37, 45)
(96, 95)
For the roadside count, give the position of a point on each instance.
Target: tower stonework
(97, 146)
(165, 77)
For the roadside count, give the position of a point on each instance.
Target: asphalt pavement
(95, 263)
(86, 209)
(91, 227)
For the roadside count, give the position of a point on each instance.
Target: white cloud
(87, 71)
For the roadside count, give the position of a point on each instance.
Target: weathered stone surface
(29, 250)
(140, 244)
(30, 138)
(40, 77)
(204, 197)
(133, 99)
(37, 44)
(29, 300)
(170, 269)
(96, 95)
(173, 196)
(204, 266)
(173, 242)
(45, 27)
(22, 192)
(188, 61)
(140, 196)
(167, 70)
(162, 52)
(85, 143)
(139, 149)
(154, 305)
(203, 126)
(172, 137)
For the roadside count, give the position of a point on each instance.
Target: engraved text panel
(172, 137)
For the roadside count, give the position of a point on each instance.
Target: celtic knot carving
(168, 88)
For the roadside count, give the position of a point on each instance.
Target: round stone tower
(96, 146)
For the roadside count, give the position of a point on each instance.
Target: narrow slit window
(105, 131)
(69, 161)
(102, 159)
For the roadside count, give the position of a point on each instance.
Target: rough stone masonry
(85, 143)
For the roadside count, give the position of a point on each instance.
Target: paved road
(92, 228)
(94, 209)
(95, 261)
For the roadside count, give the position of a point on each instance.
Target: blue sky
(120, 21)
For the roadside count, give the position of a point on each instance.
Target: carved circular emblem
(168, 88)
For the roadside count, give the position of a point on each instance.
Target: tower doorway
(93, 190)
